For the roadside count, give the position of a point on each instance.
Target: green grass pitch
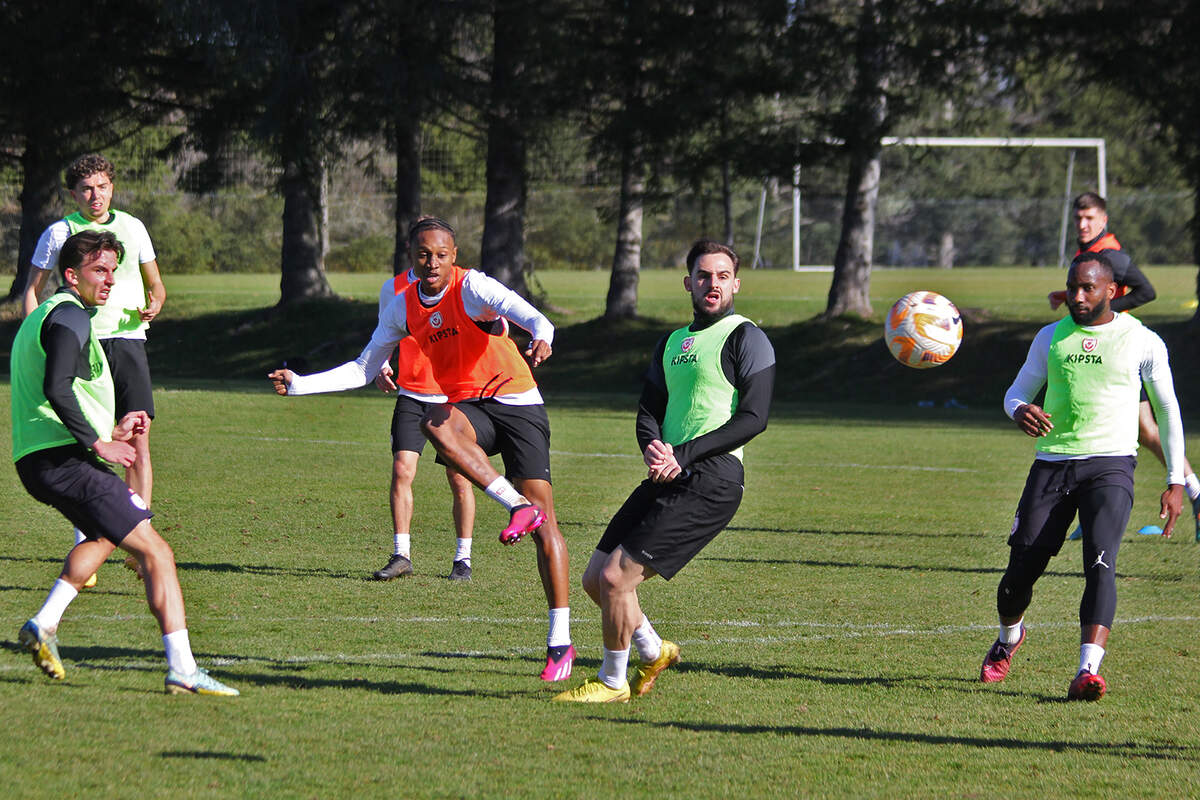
(831, 638)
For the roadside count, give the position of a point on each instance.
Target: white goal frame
(1071, 143)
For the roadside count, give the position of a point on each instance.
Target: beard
(1088, 317)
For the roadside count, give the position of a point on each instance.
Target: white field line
(819, 631)
(570, 454)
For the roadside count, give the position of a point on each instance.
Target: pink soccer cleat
(558, 663)
(525, 519)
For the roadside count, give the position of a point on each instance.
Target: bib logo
(687, 343)
(436, 319)
(1089, 344)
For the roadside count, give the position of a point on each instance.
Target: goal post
(1071, 143)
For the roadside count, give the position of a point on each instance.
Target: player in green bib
(120, 324)
(63, 433)
(707, 393)
(1093, 365)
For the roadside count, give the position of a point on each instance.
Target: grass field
(831, 637)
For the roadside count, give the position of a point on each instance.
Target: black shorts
(1100, 489)
(664, 525)
(131, 375)
(406, 425)
(84, 490)
(520, 434)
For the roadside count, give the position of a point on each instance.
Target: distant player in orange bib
(460, 320)
(416, 390)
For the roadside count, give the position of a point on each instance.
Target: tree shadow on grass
(826, 532)
(213, 755)
(272, 570)
(800, 562)
(1156, 751)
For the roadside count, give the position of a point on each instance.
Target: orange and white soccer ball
(923, 329)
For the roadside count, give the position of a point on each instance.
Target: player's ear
(737, 284)
(71, 277)
(687, 283)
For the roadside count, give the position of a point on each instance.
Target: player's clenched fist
(282, 379)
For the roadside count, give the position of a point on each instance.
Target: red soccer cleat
(1086, 686)
(999, 659)
(525, 519)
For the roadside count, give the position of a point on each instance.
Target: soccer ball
(923, 330)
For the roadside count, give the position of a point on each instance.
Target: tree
(890, 53)
(276, 70)
(1149, 51)
(51, 110)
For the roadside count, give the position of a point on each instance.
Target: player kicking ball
(1093, 364)
(459, 319)
(63, 432)
(707, 393)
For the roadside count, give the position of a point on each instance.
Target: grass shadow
(1153, 751)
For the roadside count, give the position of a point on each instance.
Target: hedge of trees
(662, 97)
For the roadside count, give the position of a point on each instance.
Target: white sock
(647, 641)
(614, 667)
(1011, 634)
(51, 612)
(179, 652)
(1090, 656)
(462, 550)
(560, 627)
(403, 543)
(79, 537)
(505, 493)
(1192, 484)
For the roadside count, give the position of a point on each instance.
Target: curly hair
(87, 165)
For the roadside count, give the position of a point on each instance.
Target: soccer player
(1133, 290)
(121, 323)
(63, 432)
(415, 391)
(459, 319)
(1093, 364)
(707, 393)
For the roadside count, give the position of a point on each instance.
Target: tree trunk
(621, 302)
(407, 147)
(727, 201)
(302, 262)
(945, 255)
(41, 205)
(502, 251)
(850, 292)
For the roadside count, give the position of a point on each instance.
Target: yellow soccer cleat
(44, 649)
(594, 691)
(90, 582)
(648, 673)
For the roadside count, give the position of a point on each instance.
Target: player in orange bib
(459, 318)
